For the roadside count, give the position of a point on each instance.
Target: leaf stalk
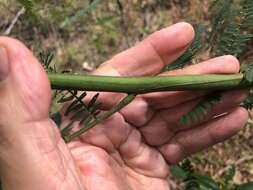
(124, 102)
(141, 85)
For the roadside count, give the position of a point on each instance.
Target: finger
(229, 100)
(138, 156)
(151, 55)
(31, 147)
(197, 139)
(113, 137)
(220, 65)
(147, 57)
(148, 104)
(167, 122)
(22, 74)
(159, 131)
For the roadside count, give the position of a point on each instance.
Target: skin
(130, 151)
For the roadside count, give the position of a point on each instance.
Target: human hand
(131, 150)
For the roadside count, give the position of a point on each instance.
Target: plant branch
(124, 102)
(14, 21)
(141, 85)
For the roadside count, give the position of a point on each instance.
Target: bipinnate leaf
(246, 186)
(178, 172)
(187, 56)
(201, 109)
(248, 73)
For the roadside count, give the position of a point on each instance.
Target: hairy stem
(141, 85)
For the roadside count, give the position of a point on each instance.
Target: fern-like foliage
(248, 76)
(195, 47)
(46, 59)
(201, 109)
(193, 180)
(77, 110)
(220, 10)
(248, 72)
(232, 26)
(85, 112)
(28, 4)
(246, 186)
(233, 41)
(228, 35)
(247, 13)
(248, 103)
(231, 33)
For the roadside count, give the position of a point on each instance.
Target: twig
(124, 102)
(14, 21)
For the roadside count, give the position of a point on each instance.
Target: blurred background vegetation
(84, 33)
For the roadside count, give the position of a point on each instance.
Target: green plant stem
(140, 85)
(124, 102)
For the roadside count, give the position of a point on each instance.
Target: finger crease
(149, 42)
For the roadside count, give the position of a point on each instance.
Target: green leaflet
(248, 76)
(46, 59)
(193, 180)
(247, 186)
(228, 35)
(57, 118)
(178, 173)
(248, 13)
(248, 73)
(248, 103)
(214, 3)
(201, 109)
(88, 124)
(187, 56)
(230, 174)
(77, 110)
(205, 182)
(233, 42)
(231, 32)
(220, 10)
(28, 4)
(80, 111)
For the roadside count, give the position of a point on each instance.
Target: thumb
(32, 153)
(24, 85)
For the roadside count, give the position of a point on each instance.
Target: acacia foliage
(231, 33)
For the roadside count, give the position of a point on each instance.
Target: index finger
(152, 54)
(147, 57)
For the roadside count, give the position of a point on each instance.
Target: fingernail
(4, 63)
(185, 32)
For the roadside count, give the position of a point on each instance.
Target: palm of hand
(132, 149)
